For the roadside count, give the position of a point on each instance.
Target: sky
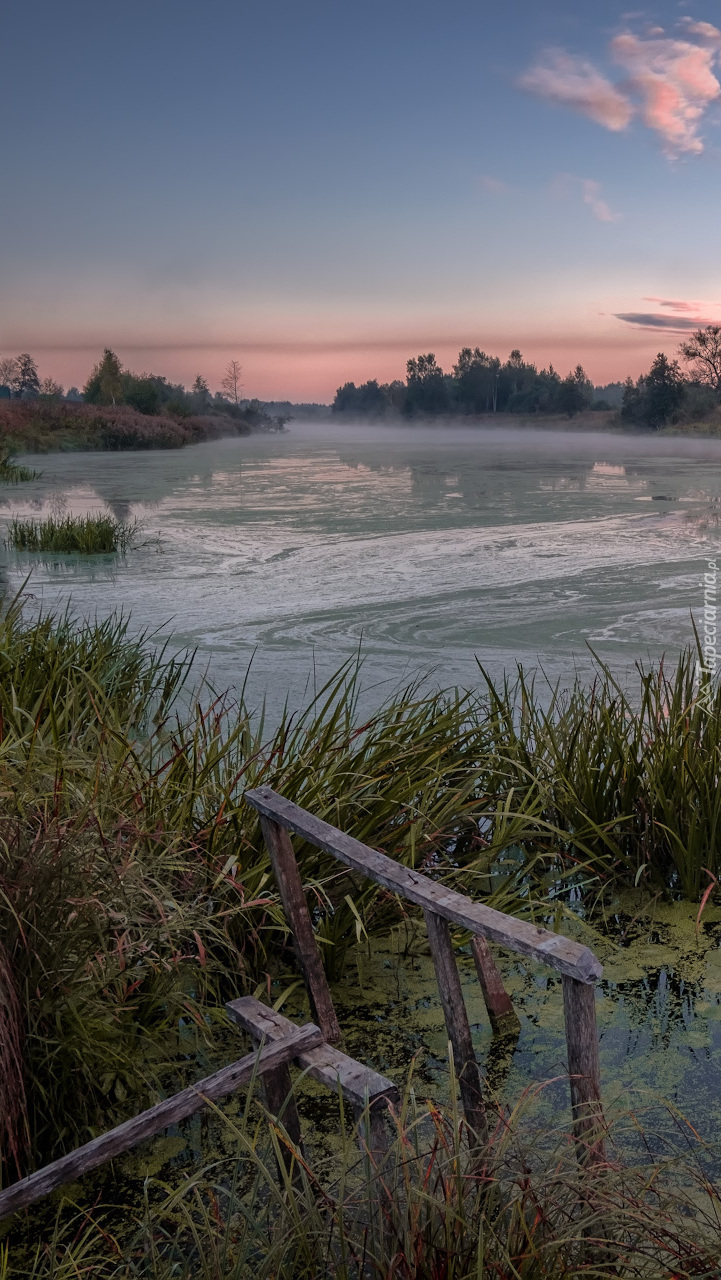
(322, 189)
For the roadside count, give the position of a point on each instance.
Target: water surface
(427, 546)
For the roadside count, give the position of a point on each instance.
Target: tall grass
(624, 781)
(12, 472)
(75, 535)
(135, 890)
(421, 1213)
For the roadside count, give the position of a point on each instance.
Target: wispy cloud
(592, 197)
(567, 186)
(651, 320)
(573, 82)
(494, 185)
(670, 83)
(675, 304)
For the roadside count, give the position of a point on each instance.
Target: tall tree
(231, 383)
(702, 351)
(26, 381)
(105, 384)
(7, 371)
(426, 388)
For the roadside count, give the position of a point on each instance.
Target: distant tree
(105, 384)
(426, 390)
(664, 390)
(50, 389)
(476, 376)
(26, 381)
(231, 384)
(142, 393)
(7, 372)
(73, 394)
(657, 396)
(702, 351)
(366, 401)
(575, 392)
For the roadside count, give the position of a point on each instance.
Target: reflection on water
(431, 545)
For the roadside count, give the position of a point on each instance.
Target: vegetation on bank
(136, 894)
(75, 535)
(483, 384)
(120, 410)
(39, 426)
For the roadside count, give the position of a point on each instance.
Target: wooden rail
(116, 1141)
(442, 906)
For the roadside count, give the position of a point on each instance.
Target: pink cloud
(675, 304)
(670, 83)
(675, 81)
(592, 197)
(573, 82)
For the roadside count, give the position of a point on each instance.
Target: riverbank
(36, 426)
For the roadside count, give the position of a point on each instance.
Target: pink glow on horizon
(312, 372)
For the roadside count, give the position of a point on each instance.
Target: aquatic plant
(625, 781)
(135, 890)
(12, 472)
(74, 535)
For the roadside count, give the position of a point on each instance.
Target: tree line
(110, 384)
(483, 384)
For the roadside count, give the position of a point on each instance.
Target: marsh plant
(12, 472)
(135, 890)
(73, 535)
(420, 1212)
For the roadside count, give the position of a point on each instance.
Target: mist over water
(427, 546)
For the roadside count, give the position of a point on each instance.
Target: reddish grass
(38, 426)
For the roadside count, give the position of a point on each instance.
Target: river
(427, 547)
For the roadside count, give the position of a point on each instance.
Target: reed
(421, 1214)
(12, 472)
(75, 535)
(135, 890)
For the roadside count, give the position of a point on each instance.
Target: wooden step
(326, 1063)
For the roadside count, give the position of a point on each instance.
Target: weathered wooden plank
(459, 1031)
(290, 887)
(148, 1123)
(579, 1007)
(552, 949)
(503, 1016)
(325, 1064)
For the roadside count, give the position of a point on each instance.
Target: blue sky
(323, 189)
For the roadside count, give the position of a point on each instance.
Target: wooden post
(579, 1006)
(155, 1119)
(503, 1016)
(459, 1031)
(295, 906)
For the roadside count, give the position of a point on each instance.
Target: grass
(12, 472)
(75, 535)
(37, 426)
(136, 894)
(419, 1214)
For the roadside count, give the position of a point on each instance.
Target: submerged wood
(553, 949)
(503, 1016)
(579, 1006)
(290, 887)
(119, 1140)
(459, 1031)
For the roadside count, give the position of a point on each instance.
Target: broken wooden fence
(442, 906)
